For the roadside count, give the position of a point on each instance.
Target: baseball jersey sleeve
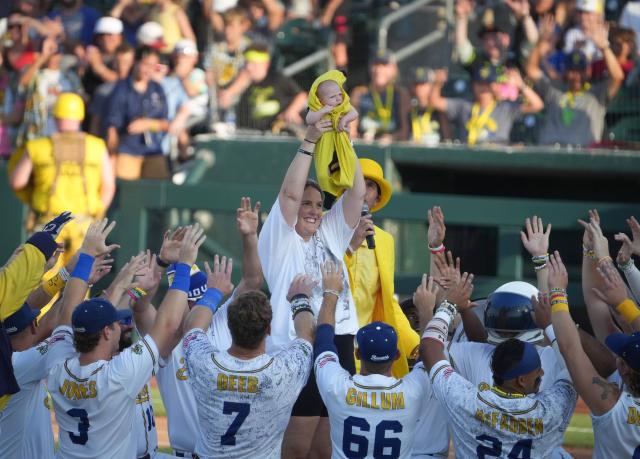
(295, 361)
(454, 392)
(561, 399)
(197, 350)
(133, 367)
(328, 374)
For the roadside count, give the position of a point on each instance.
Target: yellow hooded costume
(335, 181)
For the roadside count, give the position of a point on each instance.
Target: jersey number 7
(229, 438)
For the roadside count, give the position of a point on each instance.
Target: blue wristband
(83, 267)
(182, 278)
(211, 299)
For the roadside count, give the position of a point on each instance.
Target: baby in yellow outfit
(330, 95)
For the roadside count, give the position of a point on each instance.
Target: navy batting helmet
(509, 314)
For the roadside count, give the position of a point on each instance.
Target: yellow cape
(333, 141)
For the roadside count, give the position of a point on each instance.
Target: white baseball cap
(185, 46)
(108, 25)
(590, 6)
(151, 34)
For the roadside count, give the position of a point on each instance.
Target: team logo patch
(188, 339)
(483, 386)
(137, 349)
(447, 372)
(43, 348)
(326, 359)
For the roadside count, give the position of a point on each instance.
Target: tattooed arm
(599, 395)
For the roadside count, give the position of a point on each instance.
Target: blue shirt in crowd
(79, 25)
(126, 105)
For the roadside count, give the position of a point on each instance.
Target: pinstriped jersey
(244, 406)
(145, 423)
(617, 432)
(373, 415)
(487, 422)
(95, 404)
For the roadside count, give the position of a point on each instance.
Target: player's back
(617, 432)
(95, 403)
(487, 422)
(372, 415)
(244, 406)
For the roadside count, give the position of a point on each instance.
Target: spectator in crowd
(136, 119)
(214, 11)
(630, 18)
(427, 126)
(44, 81)
(101, 57)
(78, 20)
(486, 120)
(174, 22)
(187, 96)
(576, 108)
(623, 45)
(270, 96)
(124, 59)
(580, 38)
(335, 14)
(553, 63)
(225, 58)
(266, 17)
(383, 105)
(5, 112)
(83, 182)
(151, 34)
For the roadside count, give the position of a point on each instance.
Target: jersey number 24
(492, 447)
(357, 446)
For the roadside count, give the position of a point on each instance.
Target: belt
(146, 456)
(185, 454)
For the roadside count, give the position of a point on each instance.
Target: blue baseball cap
(626, 347)
(197, 282)
(93, 315)
(377, 342)
(485, 73)
(576, 60)
(20, 319)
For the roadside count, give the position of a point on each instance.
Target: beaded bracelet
(626, 266)
(331, 292)
(136, 293)
(540, 267)
(304, 152)
(450, 308)
(540, 259)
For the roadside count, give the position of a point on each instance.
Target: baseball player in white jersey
(371, 414)
(615, 410)
(244, 395)
(173, 377)
(509, 419)
(94, 392)
(25, 422)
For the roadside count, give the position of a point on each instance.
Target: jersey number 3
(229, 437)
(357, 446)
(83, 426)
(492, 447)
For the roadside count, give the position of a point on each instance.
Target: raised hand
(301, 284)
(599, 34)
(315, 131)
(541, 310)
(449, 271)
(94, 242)
(149, 278)
(365, 228)
(54, 226)
(558, 277)
(424, 298)
(464, 8)
(460, 293)
(520, 8)
(593, 235)
(437, 229)
(171, 243)
(101, 267)
(332, 277)
(193, 238)
(629, 247)
(136, 266)
(246, 218)
(614, 290)
(220, 277)
(547, 28)
(536, 239)
(53, 259)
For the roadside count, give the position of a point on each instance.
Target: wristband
(54, 285)
(562, 306)
(299, 303)
(307, 140)
(64, 274)
(434, 250)
(438, 327)
(626, 266)
(449, 308)
(83, 267)
(304, 152)
(540, 267)
(331, 292)
(136, 293)
(551, 336)
(540, 259)
(211, 299)
(558, 290)
(628, 310)
(181, 278)
(160, 262)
